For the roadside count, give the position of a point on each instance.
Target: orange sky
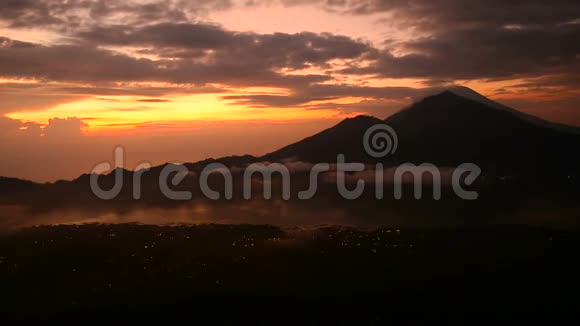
(122, 114)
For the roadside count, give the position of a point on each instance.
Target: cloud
(56, 128)
(462, 13)
(139, 89)
(230, 59)
(327, 92)
(493, 53)
(213, 45)
(71, 63)
(469, 39)
(70, 127)
(72, 14)
(118, 47)
(180, 35)
(153, 100)
(254, 61)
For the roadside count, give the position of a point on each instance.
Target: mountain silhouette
(453, 127)
(344, 138)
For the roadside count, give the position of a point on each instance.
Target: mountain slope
(344, 138)
(475, 96)
(448, 129)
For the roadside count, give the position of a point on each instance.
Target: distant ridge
(17, 185)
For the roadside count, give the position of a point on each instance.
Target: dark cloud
(461, 40)
(133, 109)
(472, 39)
(189, 36)
(6, 42)
(152, 125)
(236, 59)
(482, 53)
(327, 92)
(212, 44)
(120, 89)
(567, 80)
(446, 14)
(73, 14)
(264, 100)
(72, 63)
(449, 40)
(153, 100)
(381, 108)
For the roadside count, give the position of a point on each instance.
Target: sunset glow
(129, 114)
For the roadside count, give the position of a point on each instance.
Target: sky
(181, 81)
